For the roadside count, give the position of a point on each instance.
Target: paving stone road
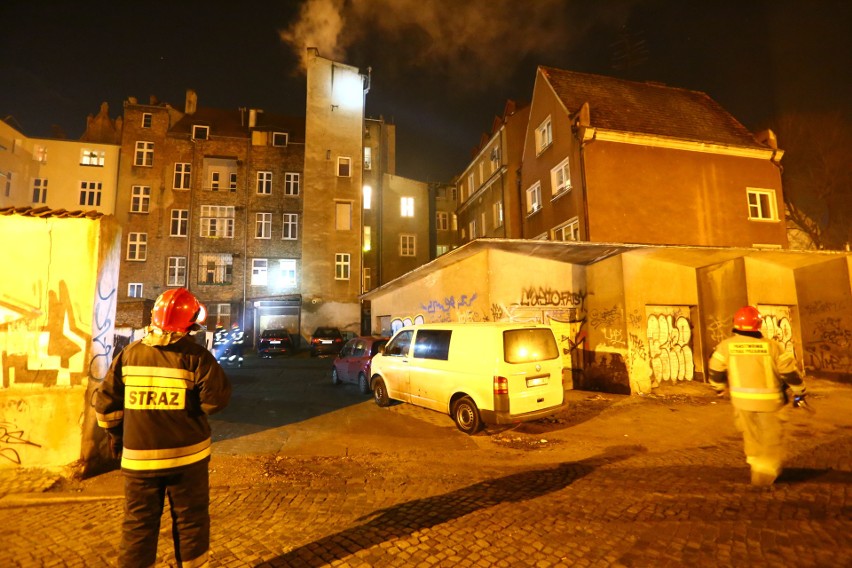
(618, 481)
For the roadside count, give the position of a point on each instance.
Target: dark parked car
(326, 341)
(353, 363)
(274, 342)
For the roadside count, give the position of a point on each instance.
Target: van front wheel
(380, 393)
(466, 415)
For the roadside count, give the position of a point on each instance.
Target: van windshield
(529, 345)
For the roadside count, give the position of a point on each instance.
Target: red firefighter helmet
(177, 310)
(747, 318)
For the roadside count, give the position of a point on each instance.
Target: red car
(352, 365)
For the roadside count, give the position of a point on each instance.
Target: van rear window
(529, 345)
(432, 344)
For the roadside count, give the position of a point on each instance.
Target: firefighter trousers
(762, 437)
(188, 492)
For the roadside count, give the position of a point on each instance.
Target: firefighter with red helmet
(154, 404)
(755, 371)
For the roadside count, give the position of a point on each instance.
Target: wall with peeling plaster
(57, 313)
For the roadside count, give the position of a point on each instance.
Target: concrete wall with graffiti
(826, 314)
(57, 311)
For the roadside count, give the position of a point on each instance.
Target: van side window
(433, 344)
(399, 345)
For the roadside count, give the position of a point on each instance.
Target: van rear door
(534, 369)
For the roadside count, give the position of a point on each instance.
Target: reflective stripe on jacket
(754, 368)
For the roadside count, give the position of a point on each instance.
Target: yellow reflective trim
(154, 398)
(719, 356)
(148, 465)
(756, 395)
(157, 372)
(164, 453)
(748, 348)
(139, 381)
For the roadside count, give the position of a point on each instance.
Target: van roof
(489, 324)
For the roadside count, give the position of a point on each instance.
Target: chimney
(191, 101)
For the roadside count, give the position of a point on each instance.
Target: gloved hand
(116, 444)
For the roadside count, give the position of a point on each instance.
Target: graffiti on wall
(400, 322)
(103, 327)
(669, 334)
(11, 435)
(829, 344)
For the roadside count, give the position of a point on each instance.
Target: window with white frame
(494, 158)
(92, 157)
(200, 132)
(134, 290)
(560, 178)
(215, 180)
(291, 183)
(291, 227)
(137, 246)
(342, 216)
(215, 268)
(263, 226)
(279, 139)
(470, 184)
(217, 221)
(368, 158)
(342, 266)
(454, 222)
(264, 183)
(497, 211)
(534, 198)
(407, 245)
(147, 118)
(40, 153)
(406, 206)
(232, 182)
(367, 196)
(176, 271)
(182, 175)
(441, 249)
(40, 190)
(442, 221)
(569, 231)
(368, 238)
(471, 229)
(259, 271)
(222, 314)
(144, 154)
(90, 193)
(543, 135)
(287, 277)
(179, 224)
(761, 205)
(344, 167)
(140, 198)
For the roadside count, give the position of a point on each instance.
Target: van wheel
(363, 383)
(380, 393)
(335, 379)
(466, 415)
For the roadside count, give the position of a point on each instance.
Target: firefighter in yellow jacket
(755, 371)
(154, 404)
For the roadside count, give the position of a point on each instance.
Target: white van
(491, 373)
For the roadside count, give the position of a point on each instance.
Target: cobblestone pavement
(581, 494)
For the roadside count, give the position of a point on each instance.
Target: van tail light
(501, 385)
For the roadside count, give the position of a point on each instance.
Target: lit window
(279, 139)
(179, 226)
(344, 167)
(343, 216)
(217, 221)
(406, 206)
(341, 266)
(569, 231)
(134, 290)
(761, 205)
(291, 226)
(40, 190)
(368, 279)
(368, 245)
(90, 193)
(560, 178)
(92, 157)
(287, 273)
(442, 221)
(291, 183)
(182, 175)
(215, 268)
(407, 245)
(264, 183)
(137, 246)
(177, 271)
(140, 199)
(368, 158)
(263, 226)
(259, 271)
(471, 227)
(534, 198)
(367, 193)
(200, 132)
(498, 214)
(144, 154)
(543, 136)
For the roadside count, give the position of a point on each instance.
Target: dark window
(377, 346)
(433, 344)
(399, 345)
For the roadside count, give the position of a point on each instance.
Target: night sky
(441, 69)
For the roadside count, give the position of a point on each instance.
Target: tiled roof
(648, 108)
(226, 122)
(48, 212)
